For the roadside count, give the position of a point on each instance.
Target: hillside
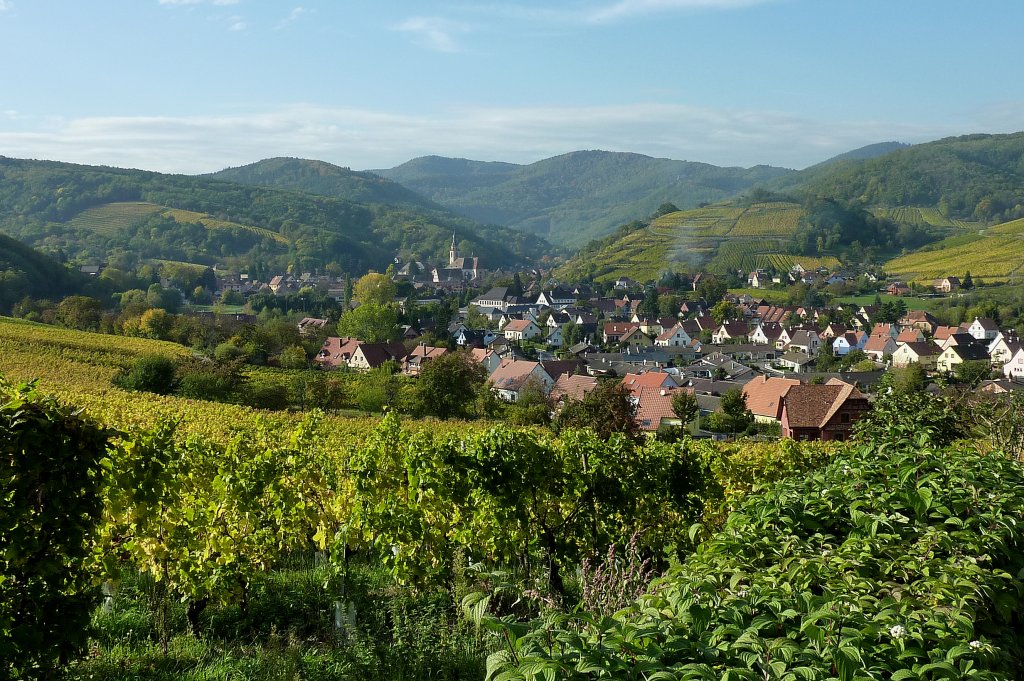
(576, 197)
(325, 179)
(973, 177)
(723, 237)
(863, 153)
(89, 212)
(995, 254)
(25, 271)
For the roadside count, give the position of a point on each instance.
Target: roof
(650, 379)
(559, 367)
(570, 386)
(878, 343)
(764, 395)
(518, 325)
(801, 337)
(944, 332)
(969, 352)
(812, 406)
(512, 374)
(987, 324)
(909, 336)
(378, 353)
(496, 293)
(922, 348)
(654, 405)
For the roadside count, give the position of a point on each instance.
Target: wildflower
(897, 631)
(976, 645)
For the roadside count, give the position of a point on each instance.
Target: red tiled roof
(811, 406)
(653, 405)
(764, 395)
(650, 379)
(569, 386)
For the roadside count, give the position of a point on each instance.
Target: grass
(911, 302)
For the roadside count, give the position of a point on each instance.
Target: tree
(972, 372)
(967, 283)
(294, 357)
(734, 406)
(79, 312)
(711, 289)
(370, 322)
(153, 373)
(448, 385)
(684, 405)
(374, 289)
(909, 379)
(723, 311)
(155, 323)
(607, 409)
(649, 307)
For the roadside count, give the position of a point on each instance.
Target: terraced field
(913, 215)
(721, 238)
(210, 222)
(996, 255)
(111, 218)
(784, 261)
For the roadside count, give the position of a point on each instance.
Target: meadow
(996, 255)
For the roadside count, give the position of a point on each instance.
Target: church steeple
(453, 252)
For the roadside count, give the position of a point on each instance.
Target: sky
(194, 86)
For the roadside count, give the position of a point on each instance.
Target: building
(822, 412)
(922, 352)
(521, 329)
(514, 376)
(764, 397)
(946, 285)
(958, 354)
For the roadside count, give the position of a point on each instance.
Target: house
(918, 319)
(572, 387)
(635, 339)
(910, 335)
(1014, 367)
(513, 376)
(897, 288)
(849, 341)
(308, 325)
(805, 341)
(554, 339)
(614, 331)
(983, 329)
(336, 352)
(1002, 348)
(486, 357)
(654, 409)
(497, 298)
(766, 333)
(797, 362)
(959, 338)
(877, 347)
(372, 355)
(822, 412)
(946, 284)
(941, 333)
(557, 298)
(559, 367)
(832, 331)
(734, 331)
(764, 397)
(658, 380)
(521, 329)
(949, 358)
(922, 352)
(419, 356)
(885, 330)
(673, 337)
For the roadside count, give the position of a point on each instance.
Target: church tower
(453, 252)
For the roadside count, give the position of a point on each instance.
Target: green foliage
(50, 504)
(606, 410)
(27, 272)
(447, 386)
(972, 372)
(294, 357)
(684, 405)
(370, 323)
(374, 289)
(152, 373)
(898, 560)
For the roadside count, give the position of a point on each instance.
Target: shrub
(153, 373)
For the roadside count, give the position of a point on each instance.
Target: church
(458, 269)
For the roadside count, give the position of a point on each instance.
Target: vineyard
(911, 215)
(209, 222)
(996, 256)
(110, 219)
(768, 219)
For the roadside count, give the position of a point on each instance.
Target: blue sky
(198, 85)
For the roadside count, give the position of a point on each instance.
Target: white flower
(394, 550)
(976, 645)
(897, 631)
(742, 593)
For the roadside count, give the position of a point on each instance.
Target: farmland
(912, 215)
(209, 222)
(996, 255)
(110, 219)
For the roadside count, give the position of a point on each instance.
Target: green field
(210, 222)
(911, 302)
(912, 215)
(996, 255)
(111, 218)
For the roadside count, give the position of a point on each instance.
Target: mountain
(90, 212)
(25, 271)
(325, 179)
(969, 177)
(573, 198)
(864, 153)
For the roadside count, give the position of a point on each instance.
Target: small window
(844, 417)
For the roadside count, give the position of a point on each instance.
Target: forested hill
(863, 153)
(576, 197)
(969, 177)
(24, 271)
(90, 212)
(325, 179)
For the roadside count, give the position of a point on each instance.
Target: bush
(153, 373)
(200, 378)
(50, 476)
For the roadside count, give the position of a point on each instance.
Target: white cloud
(225, 2)
(235, 23)
(6, 5)
(292, 16)
(627, 8)
(435, 33)
(374, 139)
